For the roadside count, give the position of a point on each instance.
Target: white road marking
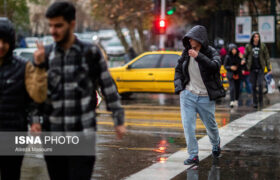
(274, 108)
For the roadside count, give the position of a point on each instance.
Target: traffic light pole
(162, 16)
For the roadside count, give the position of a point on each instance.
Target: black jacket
(14, 98)
(233, 60)
(13, 95)
(209, 64)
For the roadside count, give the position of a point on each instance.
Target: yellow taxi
(149, 72)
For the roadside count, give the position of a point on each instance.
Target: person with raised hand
(74, 70)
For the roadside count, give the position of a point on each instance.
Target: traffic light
(162, 23)
(170, 7)
(160, 26)
(170, 10)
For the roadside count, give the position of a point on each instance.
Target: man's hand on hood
(193, 53)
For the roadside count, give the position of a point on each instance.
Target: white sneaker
(231, 103)
(235, 103)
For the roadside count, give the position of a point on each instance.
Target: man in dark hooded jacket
(197, 81)
(257, 57)
(13, 97)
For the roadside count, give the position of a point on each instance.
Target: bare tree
(124, 13)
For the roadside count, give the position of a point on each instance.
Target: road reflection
(154, 133)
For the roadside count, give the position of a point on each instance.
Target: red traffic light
(162, 23)
(160, 26)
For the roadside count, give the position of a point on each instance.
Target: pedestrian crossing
(142, 116)
(173, 165)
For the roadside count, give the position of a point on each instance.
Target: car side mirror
(129, 66)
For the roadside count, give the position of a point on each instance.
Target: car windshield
(114, 44)
(31, 40)
(48, 40)
(27, 55)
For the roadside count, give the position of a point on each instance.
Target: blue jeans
(192, 104)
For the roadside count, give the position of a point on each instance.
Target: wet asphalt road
(154, 132)
(253, 155)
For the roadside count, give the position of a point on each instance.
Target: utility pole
(162, 16)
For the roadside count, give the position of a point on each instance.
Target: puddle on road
(119, 159)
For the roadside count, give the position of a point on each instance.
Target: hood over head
(232, 46)
(198, 33)
(252, 37)
(7, 33)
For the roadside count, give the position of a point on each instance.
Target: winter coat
(14, 98)
(233, 60)
(264, 55)
(208, 61)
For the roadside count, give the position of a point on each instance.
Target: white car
(31, 41)
(47, 40)
(106, 34)
(114, 48)
(88, 36)
(26, 53)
